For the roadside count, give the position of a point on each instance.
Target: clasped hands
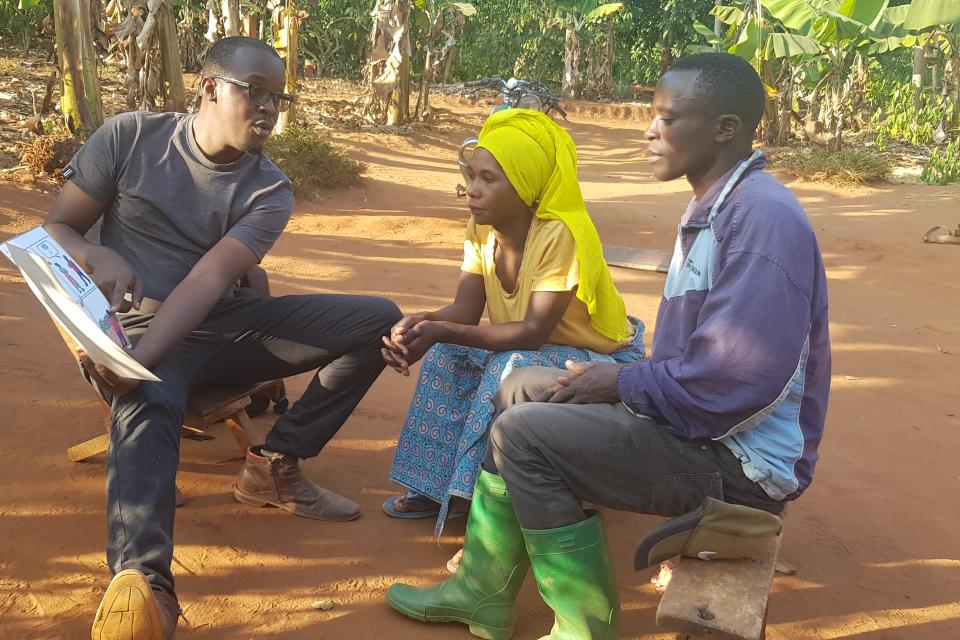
(581, 383)
(584, 383)
(409, 339)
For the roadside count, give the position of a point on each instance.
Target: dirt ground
(874, 539)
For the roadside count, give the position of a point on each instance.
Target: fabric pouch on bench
(715, 530)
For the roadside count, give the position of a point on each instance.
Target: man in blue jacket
(730, 406)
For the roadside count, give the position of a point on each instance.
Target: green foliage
(336, 36)
(943, 168)
(23, 19)
(930, 13)
(848, 167)
(312, 163)
(653, 34)
(507, 34)
(898, 119)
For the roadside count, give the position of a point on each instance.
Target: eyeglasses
(260, 95)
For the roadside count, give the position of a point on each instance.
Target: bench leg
(243, 429)
(90, 448)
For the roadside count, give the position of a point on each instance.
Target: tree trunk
(786, 106)
(399, 108)
(231, 17)
(448, 65)
(286, 46)
(80, 101)
(771, 115)
(606, 63)
(386, 88)
(571, 60)
(251, 26)
(422, 112)
(213, 32)
(666, 55)
(174, 94)
(954, 93)
(918, 67)
(261, 23)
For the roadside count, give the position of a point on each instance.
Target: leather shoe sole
(262, 501)
(128, 610)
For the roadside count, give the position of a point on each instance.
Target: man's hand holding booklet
(74, 302)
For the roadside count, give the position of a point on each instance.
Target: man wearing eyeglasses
(189, 205)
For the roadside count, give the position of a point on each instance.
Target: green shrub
(839, 167)
(312, 163)
(943, 168)
(898, 118)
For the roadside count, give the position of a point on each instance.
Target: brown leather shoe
(276, 479)
(131, 610)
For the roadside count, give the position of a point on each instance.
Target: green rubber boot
(575, 577)
(483, 591)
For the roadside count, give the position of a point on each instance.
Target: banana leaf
(789, 45)
(931, 13)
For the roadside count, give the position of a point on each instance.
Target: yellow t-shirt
(549, 264)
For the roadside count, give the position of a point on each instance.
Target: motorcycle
(511, 94)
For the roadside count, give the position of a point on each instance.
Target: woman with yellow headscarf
(533, 260)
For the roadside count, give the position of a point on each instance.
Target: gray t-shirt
(168, 203)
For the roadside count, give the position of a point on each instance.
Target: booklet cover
(73, 301)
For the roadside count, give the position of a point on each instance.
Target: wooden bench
(721, 599)
(633, 258)
(205, 408)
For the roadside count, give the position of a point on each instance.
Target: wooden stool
(205, 408)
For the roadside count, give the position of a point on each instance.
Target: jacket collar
(698, 211)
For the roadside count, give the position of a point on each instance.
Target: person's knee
(386, 313)
(524, 385)
(510, 432)
(154, 397)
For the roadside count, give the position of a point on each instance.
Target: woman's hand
(393, 350)
(393, 356)
(418, 339)
(403, 327)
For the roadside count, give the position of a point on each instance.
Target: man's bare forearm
(181, 312)
(79, 248)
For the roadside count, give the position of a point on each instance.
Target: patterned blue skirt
(444, 438)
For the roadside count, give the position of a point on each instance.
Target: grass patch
(312, 163)
(848, 167)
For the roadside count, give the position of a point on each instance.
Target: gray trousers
(243, 340)
(553, 456)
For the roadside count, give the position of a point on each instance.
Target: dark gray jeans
(243, 340)
(553, 456)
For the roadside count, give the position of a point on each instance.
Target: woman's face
(490, 196)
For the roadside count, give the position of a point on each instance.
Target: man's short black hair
(726, 83)
(219, 58)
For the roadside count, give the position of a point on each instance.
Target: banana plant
(440, 18)
(576, 14)
(936, 24)
(820, 46)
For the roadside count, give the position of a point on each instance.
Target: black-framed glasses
(261, 95)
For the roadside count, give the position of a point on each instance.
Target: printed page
(75, 282)
(73, 302)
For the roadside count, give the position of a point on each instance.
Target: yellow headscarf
(540, 160)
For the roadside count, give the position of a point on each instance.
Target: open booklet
(73, 301)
